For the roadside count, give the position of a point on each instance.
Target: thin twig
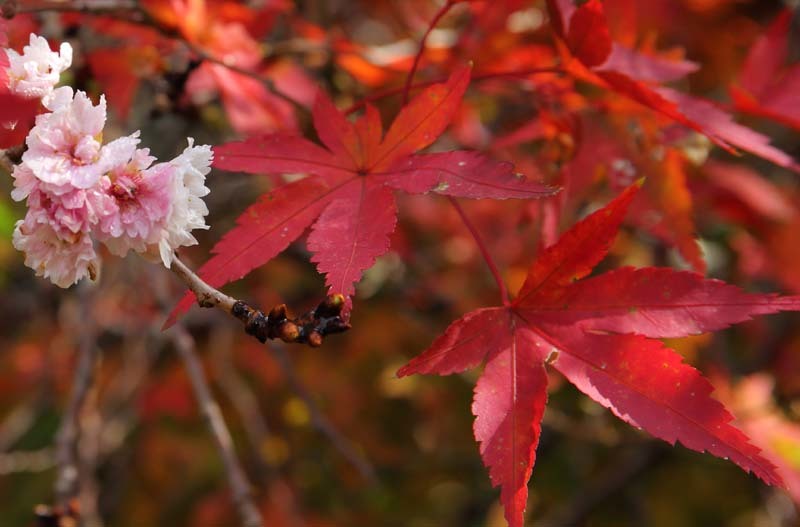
(83, 6)
(207, 296)
(318, 419)
(266, 81)
(66, 486)
(251, 418)
(484, 252)
(406, 88)
(89, 458)
(241, 396)
(240, 487)
(475, 78)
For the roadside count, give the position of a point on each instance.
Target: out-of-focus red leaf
(251, 108)
(720, 127)
(689, 111)
(767, 55)
(117, 77)
(667, 192)
(645, 67)
(751, 188)
(588, 36)
(766, 424)
(766, 87)
(16, 118)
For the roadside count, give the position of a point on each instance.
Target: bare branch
(309, 328)
(207, 296)
(240, 487)
(242, 398)
(66, 486)
(318, 419)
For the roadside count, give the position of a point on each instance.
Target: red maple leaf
(600, 61)
(351, 189)
(600, 334)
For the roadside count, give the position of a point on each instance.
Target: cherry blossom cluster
(81, 192)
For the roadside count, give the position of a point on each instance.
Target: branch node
(206, 300)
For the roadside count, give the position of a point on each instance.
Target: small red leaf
(721, 128)
(337, 133)
(278, 154)
(588, 36)
(463, 345)
(657, 302)
(645, 67)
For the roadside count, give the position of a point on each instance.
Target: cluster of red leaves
(599, 332)
(351, 190)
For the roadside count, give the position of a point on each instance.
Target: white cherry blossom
(35, 72)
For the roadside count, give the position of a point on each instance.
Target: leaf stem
(406, 89)
(484, 252)
(437, 17)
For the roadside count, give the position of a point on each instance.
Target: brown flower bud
(288, 331)
(314, 339)
(278, 313)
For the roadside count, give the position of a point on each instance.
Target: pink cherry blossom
(67, 209)
(62, 261)
(79, 190)
(24, 182)
(141, 201)
(34, 73)
(64, 147)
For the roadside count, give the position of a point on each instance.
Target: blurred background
(330, 436)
